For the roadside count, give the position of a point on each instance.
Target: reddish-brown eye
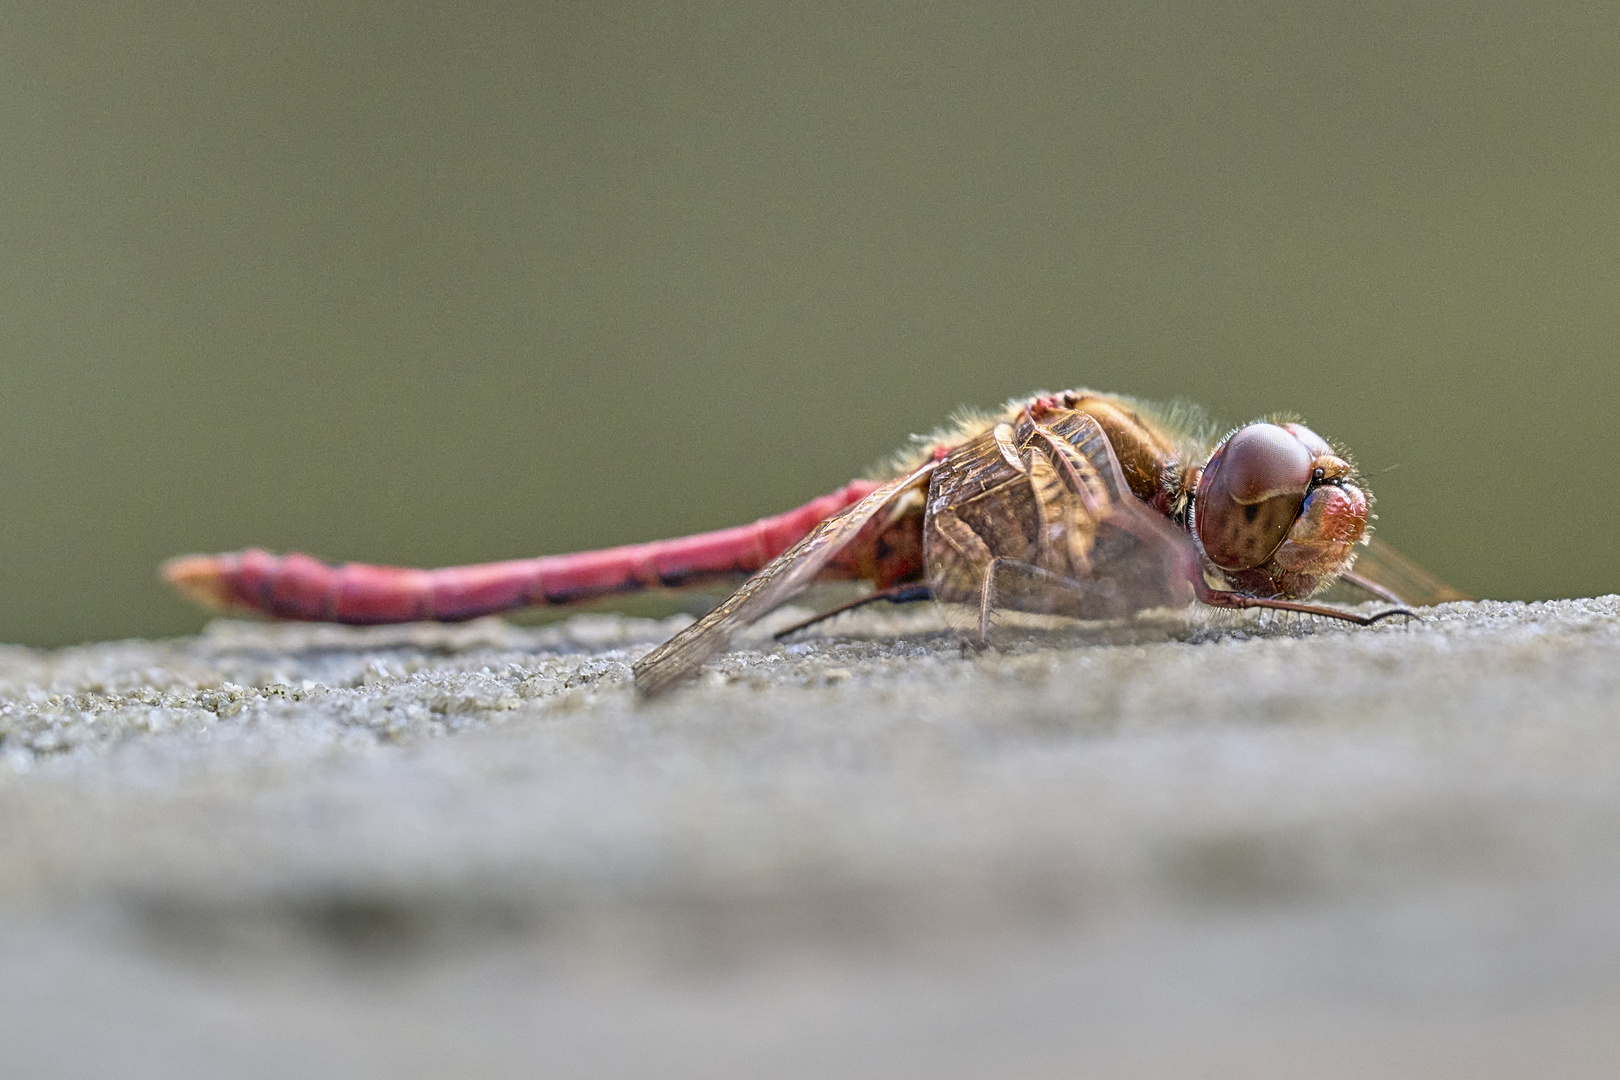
(1317, 445)
(1251, 491)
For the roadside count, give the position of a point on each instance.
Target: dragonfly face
(1276, 510)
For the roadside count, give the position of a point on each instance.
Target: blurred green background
(420, 285)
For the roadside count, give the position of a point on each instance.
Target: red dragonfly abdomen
(297, 586)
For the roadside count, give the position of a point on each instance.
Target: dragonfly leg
(1217, 598)
(1350, 577)
(1041, 591)
(896, 594)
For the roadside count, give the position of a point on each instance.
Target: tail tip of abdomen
(203, 579)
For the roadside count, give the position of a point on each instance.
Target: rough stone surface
(1259, 846)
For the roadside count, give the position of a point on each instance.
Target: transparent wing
(1038, 518)
(783, 578)
(1384, 572)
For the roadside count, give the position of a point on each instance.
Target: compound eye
(1250, 494)
(1317, 445)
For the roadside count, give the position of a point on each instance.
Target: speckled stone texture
(1253, 847)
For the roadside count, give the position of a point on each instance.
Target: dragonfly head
(1276, 498)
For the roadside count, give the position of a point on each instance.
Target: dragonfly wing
(1040, 519)
(981, 507)
(786, 576)
(1133, 558)
(1388, 571)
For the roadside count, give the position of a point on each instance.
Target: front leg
(1221, 599)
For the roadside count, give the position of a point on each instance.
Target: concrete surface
(1253, 847)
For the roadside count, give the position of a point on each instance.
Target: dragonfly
(1082, 505)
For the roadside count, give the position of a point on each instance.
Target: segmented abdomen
(297, 586)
